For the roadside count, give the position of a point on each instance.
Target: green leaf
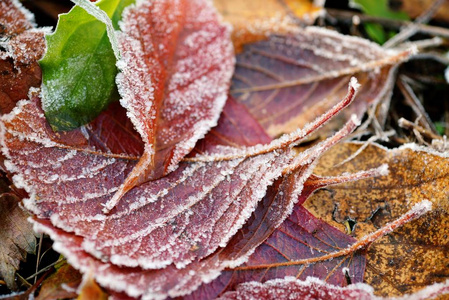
(378, 8)
(376, 32)
(79, 69)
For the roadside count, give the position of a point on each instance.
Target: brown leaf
(22, 46)
(62, 284)
(89, 289)
(16, 236)
(415, 255)
(253, 22)
(414, 8)
(176, 66)
(289, 80)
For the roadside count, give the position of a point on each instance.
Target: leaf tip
(383, 170)
(355, 120)
(354, 84)
(421, 208)
(412, 51)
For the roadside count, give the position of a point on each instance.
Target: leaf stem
(389, 60)
(346, 16)
(417, 211)
(287, 140)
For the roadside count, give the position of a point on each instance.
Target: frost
(171, 110)
(292, 288)
(100, 15)
(293, 73)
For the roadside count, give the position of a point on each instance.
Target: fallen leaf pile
(192, 186)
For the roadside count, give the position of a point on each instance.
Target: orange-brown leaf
(252, 21)
(414, 256)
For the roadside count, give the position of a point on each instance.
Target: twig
(365, 145)
(346, 16)
(45, 269)
(403, 123)
(413, 28)
(417, 211)
(38, 255)
(412, 100)
(24, 281)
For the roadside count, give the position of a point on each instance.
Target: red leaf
(176, 67)
(289, 80)
(19, 70)
(301, 236)
(292, 288)
(168, 223)
(304, 246)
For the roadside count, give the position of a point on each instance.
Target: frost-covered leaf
(16, 234)
(289, 80)
(167, 223)
(78, 68)
(21, 45)
(176, 66)
(252, 21)
(274, 208)
(304, 246)
(413, 256)
(293, 288)
(314, 288)
(300, 237)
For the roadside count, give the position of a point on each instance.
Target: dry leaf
(289, 80)
(89, 289)
(414, 8)
(415, 255)
(252, 21)
(62, 284)
(17, 237)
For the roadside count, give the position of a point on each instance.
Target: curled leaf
(292, 288)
